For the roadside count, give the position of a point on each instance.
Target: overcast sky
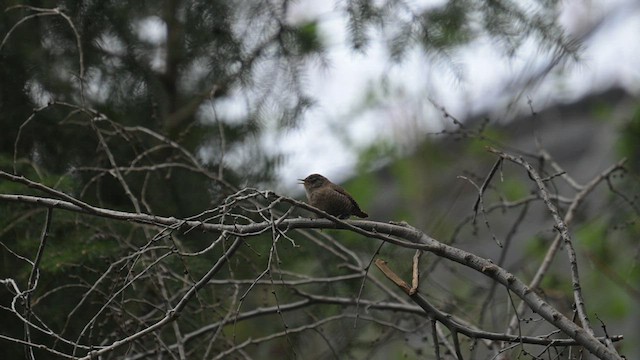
(332, 132)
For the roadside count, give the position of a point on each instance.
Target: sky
(405, 93)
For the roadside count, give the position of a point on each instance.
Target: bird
(330, 198)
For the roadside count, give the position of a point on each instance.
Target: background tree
(118, 118)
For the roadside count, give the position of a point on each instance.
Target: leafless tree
(157, 298)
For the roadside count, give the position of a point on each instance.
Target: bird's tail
(361, 214)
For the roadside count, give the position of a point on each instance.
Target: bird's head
(314, 181)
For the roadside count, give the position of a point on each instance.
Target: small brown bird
(330, 198)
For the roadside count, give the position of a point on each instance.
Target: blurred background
(393, 90)
(395, 100)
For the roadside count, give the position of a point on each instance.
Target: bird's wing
(345, 193)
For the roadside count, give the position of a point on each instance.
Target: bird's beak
(300, 181)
